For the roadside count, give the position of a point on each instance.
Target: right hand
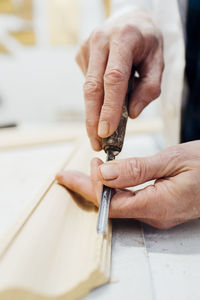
(106, 59)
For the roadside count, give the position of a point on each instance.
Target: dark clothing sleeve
(190, 116)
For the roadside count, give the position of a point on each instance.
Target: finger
(120, 204)
(156, 204)
(82, 63)
(148, 203)
(135, 171)
(82, 57)
(124, 204)
(93, 86)
(95, 163)
(115, 86)
(78, 183)
(148, 86)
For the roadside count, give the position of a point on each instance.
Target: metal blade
(104, 203)
(104, 210)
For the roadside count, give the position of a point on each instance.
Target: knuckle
(110, 108)
(91, 87)
(153, 37)
(91, 123)
(128, 30)
(136, 169)
(174, 154)
(153, 90)
(114, 76)
(97, 35)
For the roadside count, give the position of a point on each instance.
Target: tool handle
(116, 140)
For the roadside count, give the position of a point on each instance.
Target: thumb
(134, 171)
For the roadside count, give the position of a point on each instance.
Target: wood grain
(54, 252)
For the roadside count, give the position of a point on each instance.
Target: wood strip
(3, 49)
(107, 5)
(64, 19)
(26, 170)
(24, 9)
(6, 7)
(56, 253)
(9, 237)
(28, 137)
(24, 37)
(25, 137)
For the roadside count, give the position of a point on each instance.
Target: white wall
(40, 83)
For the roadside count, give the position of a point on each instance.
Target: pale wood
(23, 137)
(13, 230)
(24, 37)
(6, 7)
(3, 49)
(107, 5)
(24, 9)
(53, 251)
(64, 19)
(24, 172)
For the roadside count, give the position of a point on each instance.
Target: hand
(106, 58)
(174, 198)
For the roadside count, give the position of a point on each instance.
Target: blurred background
(39, 79)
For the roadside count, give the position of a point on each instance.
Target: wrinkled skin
(106, 59)
(174, 197)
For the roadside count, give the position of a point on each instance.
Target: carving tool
(112, 146)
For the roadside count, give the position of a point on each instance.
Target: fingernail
(138, 108)
(103, 129)
(109, 171)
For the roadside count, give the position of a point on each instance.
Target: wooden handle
(115, 142)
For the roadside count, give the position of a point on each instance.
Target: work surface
(146, 263)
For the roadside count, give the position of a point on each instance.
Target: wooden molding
(53, 251)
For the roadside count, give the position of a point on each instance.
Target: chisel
(112, 146)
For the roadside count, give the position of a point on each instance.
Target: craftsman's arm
(106, 58)
(171, 200)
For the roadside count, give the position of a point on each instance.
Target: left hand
(174, 198)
